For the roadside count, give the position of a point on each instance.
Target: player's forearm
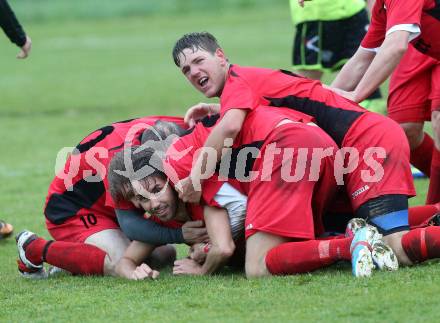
(10, 25)
(134, 255)
(216, 258)
(351, 73)
(210, 154)
(137, 228)
(125, 268)
(222, 245)
(380, 69)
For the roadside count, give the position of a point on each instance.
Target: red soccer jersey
(83, 182)
(396, 14)
(180, 156)
(256, 128)
(250, 87)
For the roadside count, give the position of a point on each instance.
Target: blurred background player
(13, 29)
(327, 34)
(409, 41)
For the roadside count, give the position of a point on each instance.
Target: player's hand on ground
(186, 191)
(194, 232)
(198, 252)
(187, 267)
(144, 272)
(25, 49)
(199, 111)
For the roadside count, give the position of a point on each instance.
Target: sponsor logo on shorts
(311, 44)
(360, 191)
(249, 226)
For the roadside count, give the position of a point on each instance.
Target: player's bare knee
(255, 267)
(414, 133)
(255, 271)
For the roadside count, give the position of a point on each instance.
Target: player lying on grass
(303, 257)
(279, 210)
(383, 204)
(81, 216)
(165, 207)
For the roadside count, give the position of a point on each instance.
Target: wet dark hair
(194, 41)
(161, 130)
(120, 183)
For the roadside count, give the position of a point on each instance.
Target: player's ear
(221, 55)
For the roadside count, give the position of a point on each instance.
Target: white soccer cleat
(362, 264)
(31, 273)
(54, 271)
(354, 225)
(23, 239)
(383, 256)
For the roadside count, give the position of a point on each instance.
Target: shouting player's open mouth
(203, 81)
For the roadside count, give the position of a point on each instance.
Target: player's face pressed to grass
(156, 197)
(205, 71)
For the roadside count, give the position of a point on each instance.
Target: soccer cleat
(434, 220)
(31, 273)
(6, 229)
(54, 271)
(362, 264)
(382, 254)
(23, 239)
(354, 225)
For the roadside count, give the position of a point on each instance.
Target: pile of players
(283, 175)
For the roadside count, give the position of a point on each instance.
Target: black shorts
(327, 45)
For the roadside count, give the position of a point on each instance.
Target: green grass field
(83, 74)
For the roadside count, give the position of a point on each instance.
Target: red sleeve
(377, 29)
(178, 161)
(237, 94)
(403, 12)
(195, 211)
(389, 13)
(210, 188)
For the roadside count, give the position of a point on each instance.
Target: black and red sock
(77, 258)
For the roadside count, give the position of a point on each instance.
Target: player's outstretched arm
(222, 244)
(13, 29)
(382, 65)
(386, 60)
(131, 265)
(351, 73)
(136, 227)
(25, 49)
(199, 111)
